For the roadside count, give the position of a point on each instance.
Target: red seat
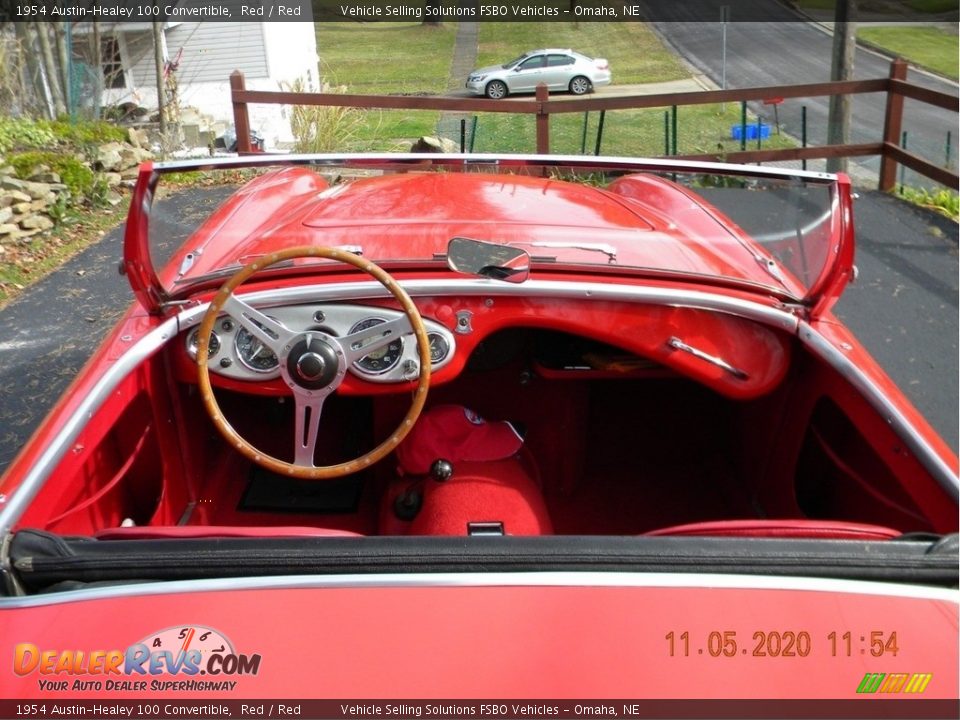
(216, 531)
(791, 528)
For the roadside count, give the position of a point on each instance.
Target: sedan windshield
(517, 61)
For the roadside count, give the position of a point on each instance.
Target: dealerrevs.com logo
(196, 657)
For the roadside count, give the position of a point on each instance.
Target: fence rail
(542, 107)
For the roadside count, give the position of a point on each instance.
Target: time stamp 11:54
(787, 643)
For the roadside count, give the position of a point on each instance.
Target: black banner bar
(501, 709)
(712, 11)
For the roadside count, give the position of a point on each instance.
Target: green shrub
(86, 133)
(21, 134)
(943, 201)
(319, 128)
(78, 178)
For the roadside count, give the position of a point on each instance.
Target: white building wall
(291, 51)
(268, 54)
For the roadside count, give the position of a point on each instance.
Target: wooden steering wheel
(313, 364)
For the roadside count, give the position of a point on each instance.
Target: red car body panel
(473, 642)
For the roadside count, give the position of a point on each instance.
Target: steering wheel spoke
(363, 342)
(309, 406)
(267, 330)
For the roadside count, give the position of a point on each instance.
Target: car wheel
(496, 89)
(580, 85)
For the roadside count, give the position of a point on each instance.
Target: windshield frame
(820, 295)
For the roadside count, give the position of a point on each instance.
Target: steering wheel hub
(312, 363)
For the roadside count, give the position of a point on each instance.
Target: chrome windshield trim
(18, 499)
(425, 160)
(903, 428)
(519, 579)
(368, 290)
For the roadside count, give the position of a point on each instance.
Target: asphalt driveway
(904, 309)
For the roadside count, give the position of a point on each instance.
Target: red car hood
(414, 215)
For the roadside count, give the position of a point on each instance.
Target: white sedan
(559, 69)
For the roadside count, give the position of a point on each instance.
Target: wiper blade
(606, 248)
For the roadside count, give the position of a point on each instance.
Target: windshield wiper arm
(609, 250)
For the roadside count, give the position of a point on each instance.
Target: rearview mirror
(488, 260)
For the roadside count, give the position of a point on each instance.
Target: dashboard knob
(441, 470)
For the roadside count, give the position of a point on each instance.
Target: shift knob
(441, 470)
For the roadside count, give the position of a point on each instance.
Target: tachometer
(382, 359)
(253, 353)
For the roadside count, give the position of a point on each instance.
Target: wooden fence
(542, 107)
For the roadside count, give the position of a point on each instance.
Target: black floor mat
(269, 492)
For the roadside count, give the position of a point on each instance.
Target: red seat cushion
(792, 528)
(215, 531)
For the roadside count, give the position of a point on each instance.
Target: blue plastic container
(751, 131)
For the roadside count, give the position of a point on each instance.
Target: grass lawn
(929, 46)
(371, 58)
(634, 52)
(637, 133)
(388, 58)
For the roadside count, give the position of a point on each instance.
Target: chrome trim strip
(425, 160)
(772, 316)
(520, 579)
(37, 475)
(905, 430)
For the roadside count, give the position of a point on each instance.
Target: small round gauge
(383, 358)
(439, 347)
(213, 347)
(253, 353)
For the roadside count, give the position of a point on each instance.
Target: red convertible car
(456, 427)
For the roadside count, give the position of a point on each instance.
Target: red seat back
(147, 532)
(791, 528)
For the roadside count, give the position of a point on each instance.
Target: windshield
(517, 61)
(766, 230)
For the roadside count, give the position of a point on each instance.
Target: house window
(113, 76)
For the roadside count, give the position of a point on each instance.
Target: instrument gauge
(213, 347)
(383, 358)
(439, 347)
(253, 353)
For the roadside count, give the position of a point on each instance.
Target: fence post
(892, 124)
(241, 119)
(543, 121)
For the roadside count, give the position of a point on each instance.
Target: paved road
(781, 52)
(904, 309)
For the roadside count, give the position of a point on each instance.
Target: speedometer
(382, 359)
(253, 353)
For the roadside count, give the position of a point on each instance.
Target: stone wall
(29, 206)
